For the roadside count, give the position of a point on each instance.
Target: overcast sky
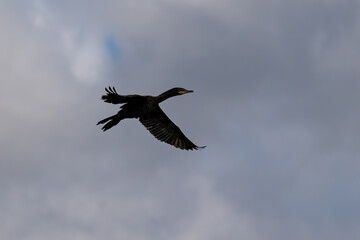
(276, 100)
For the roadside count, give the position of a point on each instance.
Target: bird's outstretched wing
(113, 97)
(162, 128)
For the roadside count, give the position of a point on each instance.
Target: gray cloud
(276, 91)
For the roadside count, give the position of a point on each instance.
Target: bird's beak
(185, 91)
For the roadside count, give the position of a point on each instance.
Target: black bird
(147, 110)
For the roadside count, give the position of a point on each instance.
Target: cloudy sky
(276, 100)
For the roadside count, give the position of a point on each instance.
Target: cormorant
(147, 110)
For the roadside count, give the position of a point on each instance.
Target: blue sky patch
(113, 49)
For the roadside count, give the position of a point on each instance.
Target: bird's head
(171, 93)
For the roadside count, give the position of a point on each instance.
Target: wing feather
(113, 97)
(162, 128)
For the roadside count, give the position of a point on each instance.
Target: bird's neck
(164, 96)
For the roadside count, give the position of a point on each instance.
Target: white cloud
(86, 57)
(81, 51)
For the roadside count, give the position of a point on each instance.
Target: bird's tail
(110, 121)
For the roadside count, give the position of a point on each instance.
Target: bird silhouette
(149, 113)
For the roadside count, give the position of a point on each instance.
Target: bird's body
(148, 111)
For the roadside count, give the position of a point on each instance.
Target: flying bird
(147, 110)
